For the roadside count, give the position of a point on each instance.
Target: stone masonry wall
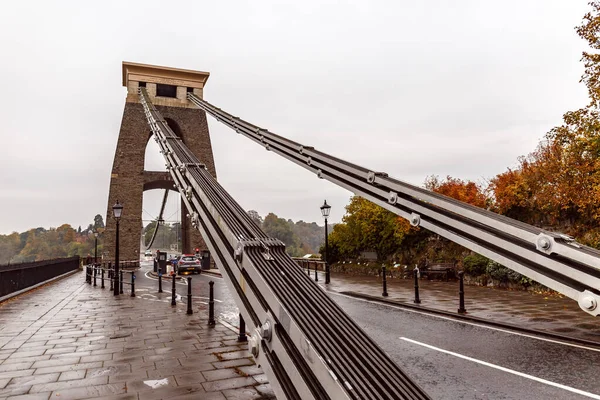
(127, 177)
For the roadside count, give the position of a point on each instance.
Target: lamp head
(325, 208)
(117, 210)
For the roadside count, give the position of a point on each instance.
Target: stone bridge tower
(167, 87)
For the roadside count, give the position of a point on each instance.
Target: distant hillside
(299, 237)
(44, 244)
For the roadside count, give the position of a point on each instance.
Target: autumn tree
(9, 247)
(557, 186)
(590, 32)
(422, 247)
(465, 191)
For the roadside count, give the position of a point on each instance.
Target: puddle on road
(231, 317)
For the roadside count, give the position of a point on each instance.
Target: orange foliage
(465, 191)
(558, 185)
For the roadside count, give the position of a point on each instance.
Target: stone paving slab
(545, 312)
(69, 340)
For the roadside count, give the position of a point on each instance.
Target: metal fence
(310, 263)
(126, 264)
(15, 277)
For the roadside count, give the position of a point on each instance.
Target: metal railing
(15, 277)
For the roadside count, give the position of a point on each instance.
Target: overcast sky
(413, 88)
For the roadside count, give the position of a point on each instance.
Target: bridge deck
(70, 340)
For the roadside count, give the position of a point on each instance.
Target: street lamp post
(325, 208)
(95, 247)
(117, 210)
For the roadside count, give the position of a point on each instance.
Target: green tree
(256, 217)
(367, 227)
(281, 229)
(475, 264)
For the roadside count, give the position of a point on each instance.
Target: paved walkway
(551, 313)
(70, 340)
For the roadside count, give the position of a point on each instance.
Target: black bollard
(88, 274)
(102, 270)
(95, 273)
(461, 292)
(416, 273)
(110, 275)
(173, 294)
(385, 293)
(160, 280)
(189, 309)
(132, 284)
(316, 277)
(242, 337)
(211, 305)
(121, 282)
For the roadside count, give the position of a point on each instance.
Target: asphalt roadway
(453, 359)
(450, 359)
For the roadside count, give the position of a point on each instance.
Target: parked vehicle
(148, 253)
(188, 263)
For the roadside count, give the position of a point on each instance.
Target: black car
(188, 263)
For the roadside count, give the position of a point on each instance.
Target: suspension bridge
(307, 345)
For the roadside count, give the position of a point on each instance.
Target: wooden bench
(441, 271)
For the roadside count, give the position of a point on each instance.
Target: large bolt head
(371, 177)
(392, 198)
(589, 303)
(266, 331)
(415, 220)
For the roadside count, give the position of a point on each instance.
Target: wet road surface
(456, 360)
(146, 287)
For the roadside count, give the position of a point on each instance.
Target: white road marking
(178, 296)
(510, 371)
(206, 298)
(471, 323)
(181, 282)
